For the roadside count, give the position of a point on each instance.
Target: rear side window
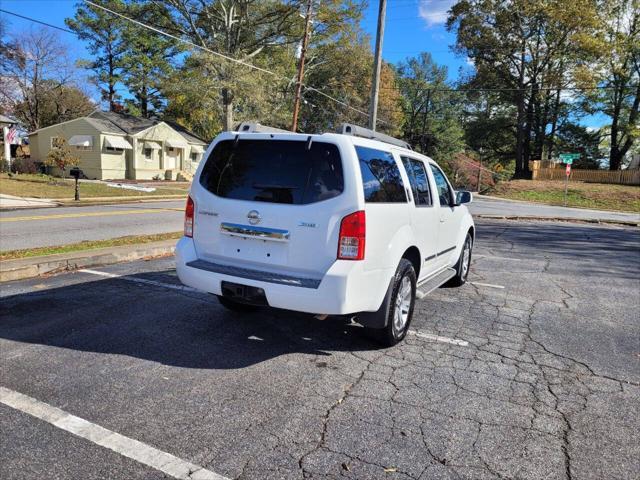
(275, 171)
(380, 176)
(419, 181)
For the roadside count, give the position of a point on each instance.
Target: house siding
(94, 164)
(101, 164)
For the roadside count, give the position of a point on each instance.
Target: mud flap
(378, 319)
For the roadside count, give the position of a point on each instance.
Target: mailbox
(75, 172)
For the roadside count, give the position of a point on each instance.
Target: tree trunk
(227, 106)
(112, 86)
(554, 126)
(614, 152)
(520, 120)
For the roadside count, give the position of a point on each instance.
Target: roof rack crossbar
(255, 127)
(357, 131)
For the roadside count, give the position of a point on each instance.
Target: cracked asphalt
(547, 386)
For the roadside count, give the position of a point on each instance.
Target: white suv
(331, 224)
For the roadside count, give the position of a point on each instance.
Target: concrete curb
(25, 268)
(97, 201)
(557, 219)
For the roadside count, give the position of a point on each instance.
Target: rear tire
(464, 263)
(236, 306)
(400, 312)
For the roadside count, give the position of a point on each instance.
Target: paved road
(59, 226)
(490, 206)
(539, 379)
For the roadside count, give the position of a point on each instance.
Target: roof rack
(357, 131)
(255, 127)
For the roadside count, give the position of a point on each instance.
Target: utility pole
(303, 52)
(480, 169)
(377, 64)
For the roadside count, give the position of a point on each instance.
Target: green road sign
(568, 158)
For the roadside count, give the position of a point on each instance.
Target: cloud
(434, 12)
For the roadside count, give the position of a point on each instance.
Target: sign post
(568, 159)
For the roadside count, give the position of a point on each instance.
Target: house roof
(189, 136)
(4, 119)
(123, 121)
(104, 125)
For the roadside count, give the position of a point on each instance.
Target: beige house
(117, 146)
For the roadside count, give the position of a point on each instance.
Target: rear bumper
(346, 288)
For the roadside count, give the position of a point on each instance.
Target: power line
(36, 21)
(527, 89)
(231, 59)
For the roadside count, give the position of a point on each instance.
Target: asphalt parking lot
(530, 372)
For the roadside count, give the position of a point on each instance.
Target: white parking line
(438, 338)
(128, 447)
(172, 286)
(486, 285)
(498, 258)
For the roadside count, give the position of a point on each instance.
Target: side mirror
(463, 197)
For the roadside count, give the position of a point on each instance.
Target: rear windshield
(275, 171)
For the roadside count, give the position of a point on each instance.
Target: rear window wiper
(265, 186)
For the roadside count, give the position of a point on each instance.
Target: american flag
(12, 134)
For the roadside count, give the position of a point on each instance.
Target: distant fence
(622, 177)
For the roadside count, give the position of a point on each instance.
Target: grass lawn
(89, 245)
(598, 196)
(42, 186)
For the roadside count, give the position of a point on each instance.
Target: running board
(428, 285)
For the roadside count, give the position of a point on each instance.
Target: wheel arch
(413, 255)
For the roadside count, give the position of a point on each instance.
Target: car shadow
(177, 328)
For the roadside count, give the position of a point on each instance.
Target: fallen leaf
(346, 467)
(390, 470)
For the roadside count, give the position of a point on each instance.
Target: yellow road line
(92, 214)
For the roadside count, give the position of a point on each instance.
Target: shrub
(24, 165)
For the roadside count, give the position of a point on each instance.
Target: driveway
(531, 371)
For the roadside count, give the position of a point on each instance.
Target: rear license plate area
(244, 293)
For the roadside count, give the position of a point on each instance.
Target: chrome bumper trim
(249, 231)
(270, 277)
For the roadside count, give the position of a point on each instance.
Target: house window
(148, 154)
(57, 142)
(114, 150)
(194, 157)
(83, 148)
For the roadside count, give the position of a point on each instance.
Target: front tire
(400, 312)
(464, 263)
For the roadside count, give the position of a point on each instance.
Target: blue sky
(412, 26)
(407, 32)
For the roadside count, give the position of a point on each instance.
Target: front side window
(419, 181)
(380, 176)
(444, 191)
(274, 171)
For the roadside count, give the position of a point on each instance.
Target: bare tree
(34, 67)
(240, 29)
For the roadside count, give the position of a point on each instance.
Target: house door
(171, 159)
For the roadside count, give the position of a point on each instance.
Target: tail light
(352, 235)
(189, 212)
